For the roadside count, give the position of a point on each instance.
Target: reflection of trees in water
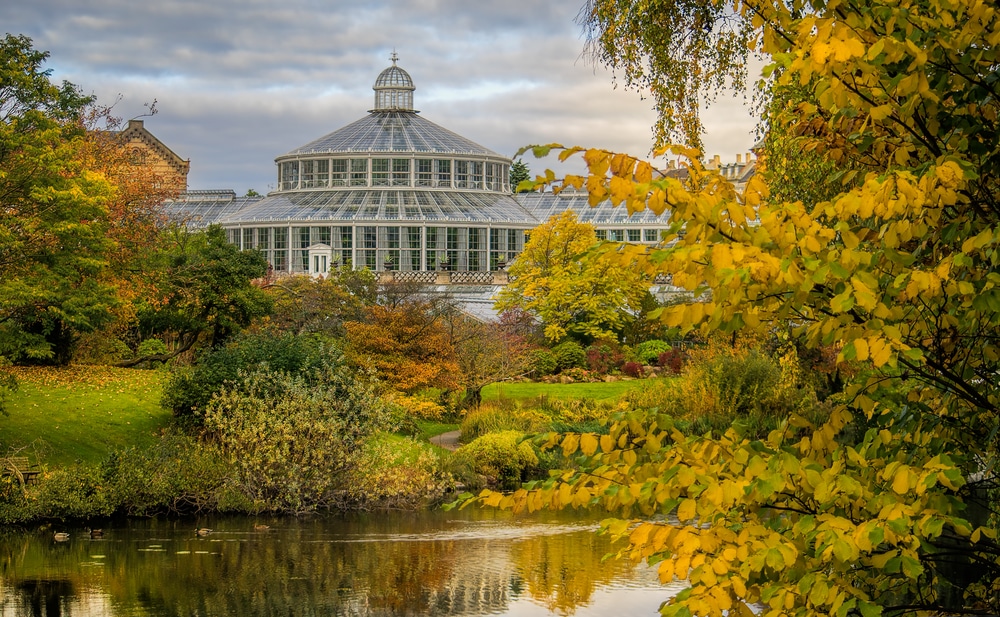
(42, 597)
(563, 575)
(364, 568)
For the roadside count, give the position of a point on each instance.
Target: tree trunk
(473, 397)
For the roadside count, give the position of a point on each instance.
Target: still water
(469, 562)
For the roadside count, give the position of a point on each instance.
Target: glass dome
(394, 89)
(392, 132)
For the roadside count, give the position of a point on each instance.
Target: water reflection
(429, 564)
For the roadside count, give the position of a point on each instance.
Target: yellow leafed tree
(889, 506)
(552, 280)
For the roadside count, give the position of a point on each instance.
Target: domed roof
(393, 127)
(393, 89)
(394, 77)
(393, 132)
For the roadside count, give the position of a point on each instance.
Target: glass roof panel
(393, 131)
(522, 210)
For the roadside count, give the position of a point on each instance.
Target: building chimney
(739, 159)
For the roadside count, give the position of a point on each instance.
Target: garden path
(448, 441)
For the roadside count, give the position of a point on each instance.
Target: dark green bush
(570, 354)
(178, 475)
(189, 389)
(543, 362)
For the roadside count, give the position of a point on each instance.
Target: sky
(237, 83)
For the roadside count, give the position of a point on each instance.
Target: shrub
(649, 352)
(189, 389)
(100, 347)
(151, 347)
(632, 369)
(287, 438)
(394, 472)
(420, 407)
(502, 459)
(569, 354)
(672, 360)
(746, 389)
(543, 362)
(605, 356)
(72, 493)
(179, 475)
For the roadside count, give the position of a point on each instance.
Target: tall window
(380, 172)
(315, 173)
(320, 235)
(443, 172)
(425, 172)
(369, 237)
(401, 172)
(359, 172)
(475, 175)
(491, 176)
(461, 174)
(338, 172)
(281, 237)
(289, 178)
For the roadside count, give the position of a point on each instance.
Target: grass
(61, 416)
(595, 391)
(432, 428)
(81, 413)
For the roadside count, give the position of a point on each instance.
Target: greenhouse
(394, 191)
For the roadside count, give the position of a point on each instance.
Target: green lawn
(81, 413)
(595, 391)
(431, 428)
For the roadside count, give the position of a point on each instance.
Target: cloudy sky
(239, 82)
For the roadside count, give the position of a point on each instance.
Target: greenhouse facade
(394, 191)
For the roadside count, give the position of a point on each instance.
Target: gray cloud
(238, 82)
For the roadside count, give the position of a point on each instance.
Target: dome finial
(394, 56)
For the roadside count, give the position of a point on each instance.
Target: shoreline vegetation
(316, 436)
(105, 446)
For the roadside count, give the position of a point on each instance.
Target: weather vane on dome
(394, 56)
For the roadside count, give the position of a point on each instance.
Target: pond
(469, 562)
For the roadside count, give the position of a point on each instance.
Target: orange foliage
(406, 345)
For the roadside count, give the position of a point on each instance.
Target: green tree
(567, 293)
(889, 505)
(53, 216)
(189, 388)
(205, 291)
(519, 172)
